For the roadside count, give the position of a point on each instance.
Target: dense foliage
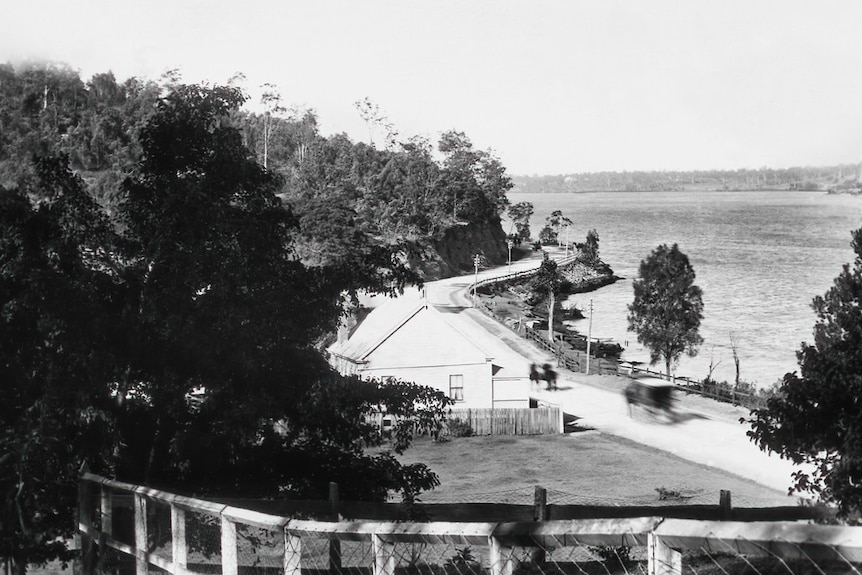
(164, 297)
(668, 307)
(816, 415)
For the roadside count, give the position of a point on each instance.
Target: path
(710, 435)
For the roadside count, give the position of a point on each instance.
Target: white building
(409, 339)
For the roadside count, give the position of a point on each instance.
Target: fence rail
(128, 528)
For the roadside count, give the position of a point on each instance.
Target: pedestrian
(550, 377)
(534, 375)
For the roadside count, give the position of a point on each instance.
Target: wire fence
(129, 529)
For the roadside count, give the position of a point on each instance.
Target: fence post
(334, 544)
(501, 558)
(228, 547)
(662, 560)
(725, 506)
(141, 566)
(106, 505)
(292, 553)
(179, 549)
(85, 521)
(384, 556)
(540, 513)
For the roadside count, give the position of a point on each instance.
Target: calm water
(760, 258)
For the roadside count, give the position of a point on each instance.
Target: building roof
(392, 314)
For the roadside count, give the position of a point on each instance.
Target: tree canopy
(668, 307)
(171, 335)
(816, 415)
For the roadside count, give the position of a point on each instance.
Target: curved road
(711, 435)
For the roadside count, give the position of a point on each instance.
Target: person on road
(550, 377)
(534, 375)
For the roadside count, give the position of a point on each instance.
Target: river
(760, 257)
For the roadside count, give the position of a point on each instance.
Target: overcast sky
(550, 86)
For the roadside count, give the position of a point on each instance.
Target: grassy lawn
(587, 467)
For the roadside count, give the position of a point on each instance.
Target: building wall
(476, 378)
(426, 350)
(512, 392)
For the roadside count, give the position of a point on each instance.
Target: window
(456, 387)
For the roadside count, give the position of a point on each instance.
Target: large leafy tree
(816, 415)
(56, 303)
(520, 215)
(219, 301)
(182, 352)
(667, 307)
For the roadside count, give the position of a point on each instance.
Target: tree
(590, 249)
(556, 221)
(183, 354)
(816, 416)
(475, 180)
(546, 284)
(520, 215)
(667, 307)
(271, 100)
(56, 299)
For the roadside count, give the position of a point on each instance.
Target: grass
(579, 468)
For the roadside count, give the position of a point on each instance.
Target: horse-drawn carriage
(654, 394)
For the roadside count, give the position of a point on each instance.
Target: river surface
(760, 257)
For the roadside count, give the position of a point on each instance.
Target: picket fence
(512, 421)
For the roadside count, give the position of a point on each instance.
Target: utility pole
(589, 336)
(509, 244)
(476, 260)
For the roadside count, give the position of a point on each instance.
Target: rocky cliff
(452, 253)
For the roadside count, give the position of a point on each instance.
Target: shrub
(459, 428)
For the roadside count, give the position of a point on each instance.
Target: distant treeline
(346, 195)
(807, 178)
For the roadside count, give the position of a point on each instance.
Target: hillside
(845, 176)
(432, 205)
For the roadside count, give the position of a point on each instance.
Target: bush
(458, 428)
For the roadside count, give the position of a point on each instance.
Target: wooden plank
(140, 534)
(662, 559)
(179, 547)
(435, 532)
(696, 512)
(229, 559)
(189, 503)
(628, 532)
(255, 518)
(85, 525)
(785, 540)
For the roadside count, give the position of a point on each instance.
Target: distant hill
(846, 177)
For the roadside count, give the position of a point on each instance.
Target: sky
(549, 86)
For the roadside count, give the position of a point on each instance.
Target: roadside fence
(573, 360)
(127, 529)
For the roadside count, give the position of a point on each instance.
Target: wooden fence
(316, 546)
(512, 421)
(713, 390)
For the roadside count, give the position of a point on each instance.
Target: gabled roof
(378, 325)
(385, 320)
